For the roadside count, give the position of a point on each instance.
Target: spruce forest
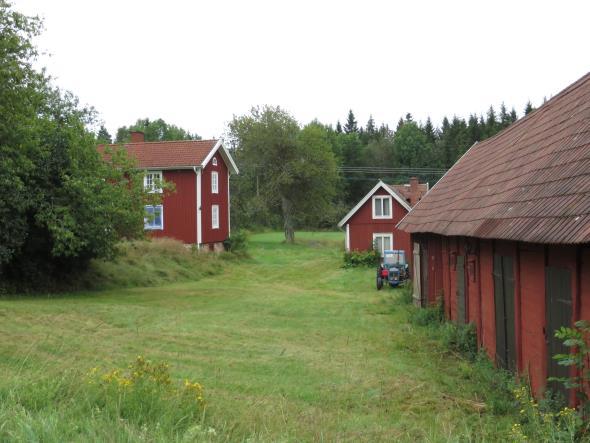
(358, 154)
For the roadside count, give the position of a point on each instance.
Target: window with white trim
(214, 161)
(152, 181)
(382, 242)
(154, 217)
(214, 182)
(382, 206)
(215, 216)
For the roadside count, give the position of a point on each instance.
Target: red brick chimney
(137, 136)
(414, 191)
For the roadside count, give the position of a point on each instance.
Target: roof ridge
(164, 141)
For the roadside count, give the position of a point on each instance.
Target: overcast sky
(198, 63)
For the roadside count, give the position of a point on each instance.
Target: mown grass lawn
(288, 345)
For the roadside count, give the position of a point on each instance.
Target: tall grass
(137, 403)
(151, 263)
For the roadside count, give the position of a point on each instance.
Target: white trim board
(199, 224)
(228, 210)
(347, 241)
(229, 161)
(380, 184)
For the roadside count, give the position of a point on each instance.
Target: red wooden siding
(362, 226)
(532, 297)
(530, 261)
(488, 316)
(208, 199)
(180, 215)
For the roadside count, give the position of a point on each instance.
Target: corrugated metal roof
(530, 182)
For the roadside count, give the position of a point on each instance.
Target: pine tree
(528, 108)
(513, 115)
(103, 136)
(371, 126)
(504, 116)
(409, 117)
(473, 129)
(400, 123)
(351, 125)
(384, 131)
(491, 122)
(428, 129)
(338, 127)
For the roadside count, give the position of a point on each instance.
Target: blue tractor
(394, 269)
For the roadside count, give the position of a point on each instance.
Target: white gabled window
(215, 216)
(382, 206)
(154, 217)
(152, 181)
(382, 242)
(214, 182)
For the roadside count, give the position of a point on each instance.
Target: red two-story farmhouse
(372, 222)
(198, 212)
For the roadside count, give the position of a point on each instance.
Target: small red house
(372, 222)
(504, 236)
(198, 212)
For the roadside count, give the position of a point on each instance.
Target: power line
(378, 170)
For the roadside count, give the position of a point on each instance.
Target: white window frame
(214, 161)
(383, 235)
(380, 198)
(214, 182)
(148, 181)
(215, 216)
(146, 222)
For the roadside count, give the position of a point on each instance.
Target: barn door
(504, 306)
(424, 271)
(416, 275)
(558, 313)
(460, 276)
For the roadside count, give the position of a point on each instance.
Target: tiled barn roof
(530, 182)
(174, 154)
(169, 154)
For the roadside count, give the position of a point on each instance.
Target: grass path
(289, 347)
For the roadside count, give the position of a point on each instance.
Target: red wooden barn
(373, 220)
(504, 236)
(198, 212)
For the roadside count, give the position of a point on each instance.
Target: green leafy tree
(411, 145)
(296, 168)
(155, 130)
(60, 203)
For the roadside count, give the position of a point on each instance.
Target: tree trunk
(287, 207)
